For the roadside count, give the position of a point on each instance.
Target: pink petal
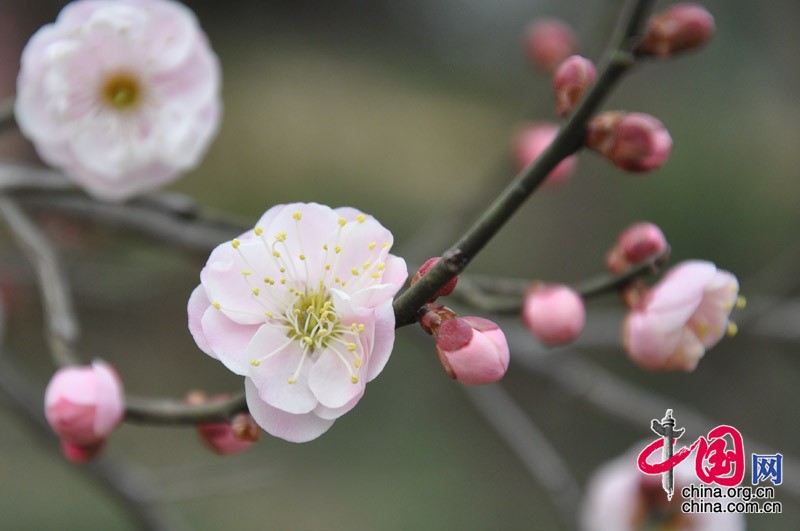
(383, 339)
(272, 375)
(197, 306)
(331, 383)
(227, 340)
(287, 426)
(110, 401)
(329, 413)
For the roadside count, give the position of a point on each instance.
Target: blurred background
(407, 110)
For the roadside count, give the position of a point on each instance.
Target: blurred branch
(62, 327)
(527, 441)
(618, 60)
(507, 295)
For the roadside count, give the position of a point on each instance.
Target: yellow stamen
(297, 215)
(741, 302)
(732, 329)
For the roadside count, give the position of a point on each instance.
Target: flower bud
(532, 141)
(681, 28)
(570, 81)
(549, 41)
(472, 350)
(638, 242)
(634, 142)
(222, 437)
(447, 289)
(554, 313)
(83, 405)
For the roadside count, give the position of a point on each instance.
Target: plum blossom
(225, 438)
(555, 313)
(548, 41)
(301, 306)
(121, 95)
(532, 141)
(472, 350)
(83, 405)
(686, 313)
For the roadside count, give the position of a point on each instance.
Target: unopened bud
(638, 242)
(681, 28)
(634, 142)
(549, 41)
(222, 437)
(554, 313)
(571, 79)
(532, 141)
(447, 289)
(472, 350)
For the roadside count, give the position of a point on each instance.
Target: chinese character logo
(767, 467)
(714, 462)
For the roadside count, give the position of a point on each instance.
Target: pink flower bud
(554, 313)
(530, 144)
(472, 350)
(549, 41)
(429, 263)
(635, 142)
(570, 81)
(80, 454)
(83, 405)
(638, 242)
(222, 437)
(681, 28)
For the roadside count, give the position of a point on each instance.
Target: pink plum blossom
(621, 498)
(532, 141)
(549, 41)
(682, 316)
(570, 80)
(638, 242)
(681, 28)
(83, 405)
(634, 142)
(124, 95)
(301, 306)
(554, 313)
(473, 350)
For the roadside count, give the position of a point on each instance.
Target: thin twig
(619, 59)
(506, 295)
(7, 119)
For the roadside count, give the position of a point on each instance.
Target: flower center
(313, 320)
(122, 92)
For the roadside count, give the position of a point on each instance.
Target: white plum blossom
(123, 95)
(301, 306)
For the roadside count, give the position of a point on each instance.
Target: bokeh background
(407, 110)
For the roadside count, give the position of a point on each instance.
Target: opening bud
(472, 350)
(447, 289)
(554, 313)
(549, 41)
(681, 28)
(634, 142)
(638, 242)
(531, 142)
(571, 79)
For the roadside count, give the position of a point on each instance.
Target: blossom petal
(110, 402)
(197, 306)
(272, 374)
(228, 340)
(331, 383)
(383, 339)
(287, 426)
(333, 413)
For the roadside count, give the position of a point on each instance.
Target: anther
(741, 302)
(302, 256)
(255, 363)
(732, 329)
(297, 215)
(216, 305)
(236, 243)
(361, 218)
(354, 271)
(371, 245)
(354, 379)
(337, 249)
(246, 273)
(258, 231)
(256, 291)
(351, 347)
(342, 222)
